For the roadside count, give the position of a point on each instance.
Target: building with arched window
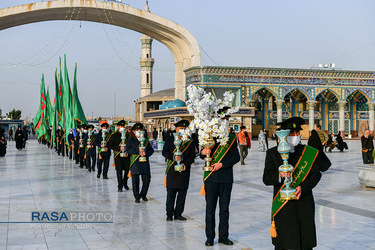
(338, 100)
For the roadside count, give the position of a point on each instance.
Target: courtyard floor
(37, 180)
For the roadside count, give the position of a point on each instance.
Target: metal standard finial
(147, 8)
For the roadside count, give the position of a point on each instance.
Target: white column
(371, 115)
(311, 114)
(279, 105)
(342, 117)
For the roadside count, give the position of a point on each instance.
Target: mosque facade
(341, 101)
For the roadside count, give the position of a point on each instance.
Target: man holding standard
(177, 183)
(293, 224)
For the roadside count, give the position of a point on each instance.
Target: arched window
(146, 55)
(147, 78)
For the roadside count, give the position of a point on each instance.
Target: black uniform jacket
(98, 143)
(76, 141)
(176, 179)
(225, 174)
(132, 148)
(70, 139)
(90, 151)
(295, 223)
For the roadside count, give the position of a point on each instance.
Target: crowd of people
(293, 225)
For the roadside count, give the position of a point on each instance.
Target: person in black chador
(76, 144)
(90, 148)
(218, 186)
(177, 183)
(104, 152)
(341, 145)
(293, 225)
(122, 163)
(139, 168)
(322, 160)
(3, 142)
(18, 137)
(25, 136)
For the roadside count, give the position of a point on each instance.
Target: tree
(15, 114)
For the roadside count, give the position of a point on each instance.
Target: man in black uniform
(76, 144)
(71, 143)
(90, 148)
(104, 153)
(178, 182)
(293, 220)
(59, 134)
(82, 146)
(122, 161)
(138, 168)
(218, 185)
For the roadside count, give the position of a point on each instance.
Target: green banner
(300, 172)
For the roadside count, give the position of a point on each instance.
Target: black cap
(91, 126)
(121, 123)
(104, 125)
(137, 126)
(182, 123)
(294, 123)
(224, 109)
(84, 126)
(79, 126)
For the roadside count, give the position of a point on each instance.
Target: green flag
(78, 114)
(61, 90)
(67, 101)
(43, 122)
(49, 109)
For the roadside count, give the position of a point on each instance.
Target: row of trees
(66, 110)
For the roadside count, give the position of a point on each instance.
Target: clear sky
(246, 33)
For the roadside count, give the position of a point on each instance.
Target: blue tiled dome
(176, 104)
(165, 105)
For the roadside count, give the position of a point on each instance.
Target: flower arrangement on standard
(204, 106)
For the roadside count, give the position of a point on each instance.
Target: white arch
(182, 44)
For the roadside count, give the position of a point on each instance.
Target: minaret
(147, 64)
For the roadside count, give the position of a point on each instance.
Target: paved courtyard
(37, 180)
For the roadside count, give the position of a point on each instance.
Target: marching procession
(293, 205)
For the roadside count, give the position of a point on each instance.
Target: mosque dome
(164, 105)
(176, 104)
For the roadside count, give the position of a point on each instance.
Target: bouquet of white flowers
(207, 120)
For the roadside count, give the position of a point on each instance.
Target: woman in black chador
(18, 137)
(3, 142)
(341, 145)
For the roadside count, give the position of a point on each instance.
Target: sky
(244, 33)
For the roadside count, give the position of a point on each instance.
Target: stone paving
(36, 179)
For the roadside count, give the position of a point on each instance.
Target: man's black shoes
(98, 175)
(169, 218)
(105, 177)
(225, 241)
(126, 188)
(137, 200)
(144, 198)
(179, 217)
(209, 243)
(119, 190)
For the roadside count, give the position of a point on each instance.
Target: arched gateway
(183, 46)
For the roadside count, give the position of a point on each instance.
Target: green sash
(300, 173)
(219, 154)
(135, 156)
(183, 147)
